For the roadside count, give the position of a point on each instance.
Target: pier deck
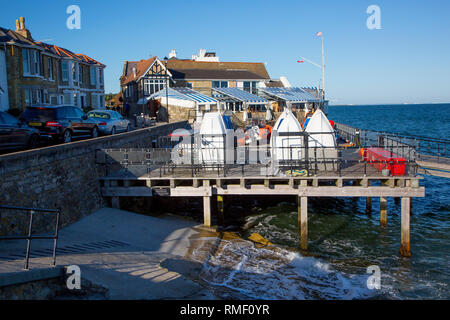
(252, 180)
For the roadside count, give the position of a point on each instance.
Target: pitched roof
(7, 36)
(191, 69)
(11, 36)
(141, 67)
(256, 68)
(64, 53)
(191, 74)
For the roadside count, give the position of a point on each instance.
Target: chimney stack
(172, 54)
(22, 30)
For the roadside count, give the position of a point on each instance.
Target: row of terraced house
(33, 72)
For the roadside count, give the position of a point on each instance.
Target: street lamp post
(167, 90)
(319, 34)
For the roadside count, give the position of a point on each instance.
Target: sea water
(343, 240)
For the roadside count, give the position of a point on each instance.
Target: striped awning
(241, 95)
(184, 94)
(291, 94)
(196, 96)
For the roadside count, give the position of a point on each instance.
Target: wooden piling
(383, 211)
(405, 247)
(368, 204)
(115, 201)
(206, 207)
(220, 209)
(303, 221)
(207, 211)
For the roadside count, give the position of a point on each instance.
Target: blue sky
(407, 61)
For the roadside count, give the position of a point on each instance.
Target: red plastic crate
(383, 159)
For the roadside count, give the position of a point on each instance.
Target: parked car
(15, 134)
(60, 123)
(109, 121)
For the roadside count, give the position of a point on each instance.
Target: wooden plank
(323, 191)
(127, 192)
(405, 246)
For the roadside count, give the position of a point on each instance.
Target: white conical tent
(286, 143)
(321, 132)
(212, 133)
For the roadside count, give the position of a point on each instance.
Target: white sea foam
(274, 273)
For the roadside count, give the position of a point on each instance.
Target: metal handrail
(30, 236)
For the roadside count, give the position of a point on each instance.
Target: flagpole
(323, 67)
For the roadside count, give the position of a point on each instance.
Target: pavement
(134, 256)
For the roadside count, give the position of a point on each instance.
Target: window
(50, 68)
(31, 62)
(93, 76)
(33, 96)
(74, 71)
(64, 71)
(220, 84)
(25, 60)
(36, 97)
(80, 73)
(67, 98)
(100, 75)
(94, 98)
(53, 100)
(250, 86)
(36, 62)
(153, 85)
(27, 97)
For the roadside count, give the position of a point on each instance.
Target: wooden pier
(179, 184)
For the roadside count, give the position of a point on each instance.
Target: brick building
(140, 79)
(41, 73)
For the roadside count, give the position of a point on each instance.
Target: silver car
(109, 121)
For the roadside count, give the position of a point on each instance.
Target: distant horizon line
(384, 104)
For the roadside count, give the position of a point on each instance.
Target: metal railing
(423, 147)
(191, 158)
(29, 237)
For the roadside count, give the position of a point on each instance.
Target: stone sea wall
(63, 176)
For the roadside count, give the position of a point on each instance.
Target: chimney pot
(17, 25)
(22, 23)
